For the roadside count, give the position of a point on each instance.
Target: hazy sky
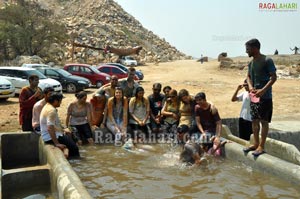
(210, 27)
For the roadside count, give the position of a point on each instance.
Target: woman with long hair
(171, 112)
(117, 109)
(139, 110)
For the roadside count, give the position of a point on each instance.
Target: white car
(6, 89)
(128, 61)
(18, 76)
(36, 65)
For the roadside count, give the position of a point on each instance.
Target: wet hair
(200, 95)
(55, 97)
(48, 90)
(33, 77)
(166, 87)
(182, 93)
(254, 43)
(80, 95)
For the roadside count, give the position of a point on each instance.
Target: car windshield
(36, 72)
(63, 72)
(122, 67)
(94, 69)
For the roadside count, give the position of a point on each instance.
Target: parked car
(6, 89)
(35, 65)
(18, 76)
(70, 83)
(128, 61)
(114, 70)
(90, 72)
(125, 68)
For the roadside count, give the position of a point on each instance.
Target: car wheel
(71, 88)
(99, 84)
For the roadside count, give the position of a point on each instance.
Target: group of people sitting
(122, 108)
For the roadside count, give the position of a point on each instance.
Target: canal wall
(285, 131)
(27, 165)
(281, 159)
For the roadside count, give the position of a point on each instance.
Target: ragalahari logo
(278, 7)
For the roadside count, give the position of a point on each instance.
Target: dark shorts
(140, 131)
(84, 131)
(154, 125)
(70, 144)
(245, 129)
(262, 110)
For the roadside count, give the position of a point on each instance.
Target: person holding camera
(245, 121)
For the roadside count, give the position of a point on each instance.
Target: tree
(27, 29)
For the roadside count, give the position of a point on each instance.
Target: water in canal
(111, 172)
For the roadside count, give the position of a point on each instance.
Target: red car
(114, 70)
(90, 72)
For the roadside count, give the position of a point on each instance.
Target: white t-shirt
(37, 108)
(49, 116)
(245, 111)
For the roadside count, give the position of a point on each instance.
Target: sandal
(258, 153)
(248, 149)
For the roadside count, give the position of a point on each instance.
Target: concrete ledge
(265, 163)
(273, 147)
(27, 163)
(65, 180)
(281, 150)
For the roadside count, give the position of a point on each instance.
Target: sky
(209, 27)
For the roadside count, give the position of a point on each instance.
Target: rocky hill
(99, 23)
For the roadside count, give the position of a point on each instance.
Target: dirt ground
(218, 84)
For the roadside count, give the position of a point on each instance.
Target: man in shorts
(261, 77)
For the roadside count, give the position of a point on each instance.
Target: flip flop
(257, 153)
(248, 149)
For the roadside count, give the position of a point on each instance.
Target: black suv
(70, 83)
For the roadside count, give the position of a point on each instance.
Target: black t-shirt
(156, 104)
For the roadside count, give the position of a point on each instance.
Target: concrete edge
(265, 163)
(282, 150)
(64, 178)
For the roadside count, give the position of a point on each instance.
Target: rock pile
(103, 22)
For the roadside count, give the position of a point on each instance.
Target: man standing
(129, 86)
(261, 77)
(110, 88)
(29, 95)
(51, 130)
